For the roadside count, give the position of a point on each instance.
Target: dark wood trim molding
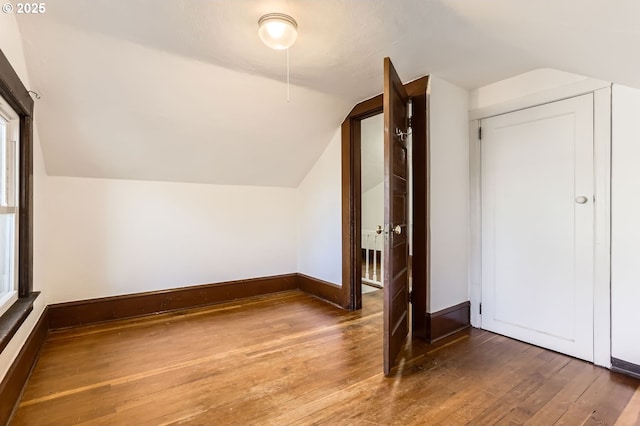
(72, 314)
(16, 95)
(420, 259)
(13, 318)
(12, 90)
(25, 230)
(324, 290)
(367, 108)
(352, 201)
(351, 206)
(93, 311)
(16, 378)
(448, 321)
(624, 367)
(84, 312)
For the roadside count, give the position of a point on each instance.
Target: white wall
(11, 46)
(625, 224)
(110, 237)
(531, 88)
(530, 83)
(372, 151)
(319, 214)
(449, 141)
(373, 208)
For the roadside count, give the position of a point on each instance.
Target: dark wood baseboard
(322, 289)
(448, 321)
(16, 378)
(625, 367)
(93, 311)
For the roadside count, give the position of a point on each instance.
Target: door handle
(581, 199)
(397, 229)
(379, 229)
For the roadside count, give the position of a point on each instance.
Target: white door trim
(602, 221)
(588, 85)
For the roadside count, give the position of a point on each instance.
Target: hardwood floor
(290, 358)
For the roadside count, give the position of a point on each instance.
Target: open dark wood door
(396, 242)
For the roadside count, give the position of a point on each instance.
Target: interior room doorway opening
(352, 256)
(372, 203)
(372, 196)
(352, 253)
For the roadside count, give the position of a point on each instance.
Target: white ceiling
(183, 90)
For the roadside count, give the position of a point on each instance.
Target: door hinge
(481, 309)
(410, 296)
(479, 133)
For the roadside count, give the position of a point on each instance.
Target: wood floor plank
(554, 383)
(558, 405)
(465, 403)
(631, 414)
(520, 385)
(98, 354)
(602, 402)
(293, 359)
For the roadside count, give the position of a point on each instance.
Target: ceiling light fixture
(277, 30)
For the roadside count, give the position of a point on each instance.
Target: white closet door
(537, 225)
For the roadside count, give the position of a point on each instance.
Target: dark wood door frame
(352, 201)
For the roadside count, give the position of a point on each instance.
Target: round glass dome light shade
(277, 30)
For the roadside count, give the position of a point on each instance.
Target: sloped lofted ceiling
(183, 90)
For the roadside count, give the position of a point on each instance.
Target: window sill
(13, 318)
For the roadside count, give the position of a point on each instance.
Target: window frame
(15, 94)
(9, 126)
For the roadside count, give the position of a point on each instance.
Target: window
(16, 202)
(9, 218)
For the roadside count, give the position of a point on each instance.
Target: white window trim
(11, 119)
(7, 300)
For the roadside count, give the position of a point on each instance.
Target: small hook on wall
(35, 94)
